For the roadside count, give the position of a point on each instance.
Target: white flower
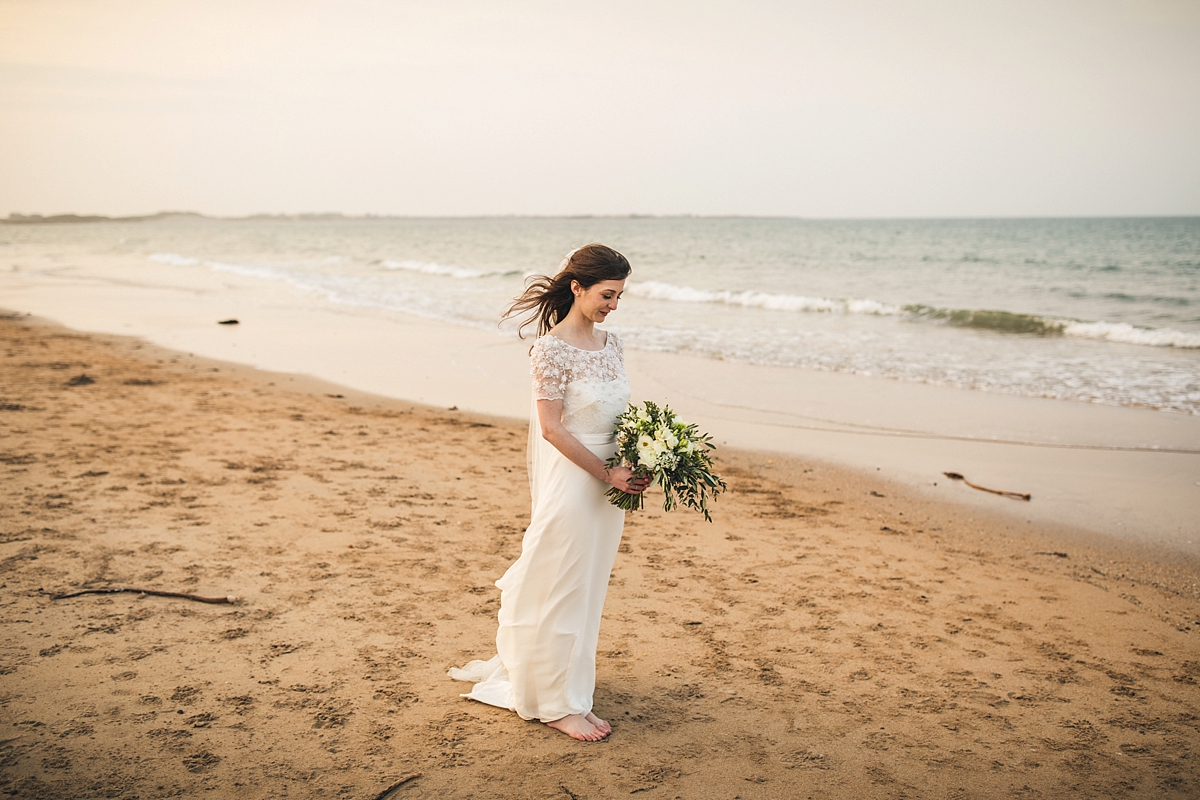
(669, 438)
(645, 450)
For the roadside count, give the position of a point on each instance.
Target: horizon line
(17, 218)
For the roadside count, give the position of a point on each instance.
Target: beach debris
(382, 795)
(955, 476)
(877, 494)
(83, 379)
(1055, 553)
(228, 322)
(155, 592)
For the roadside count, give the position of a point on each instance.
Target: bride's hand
(624, 479)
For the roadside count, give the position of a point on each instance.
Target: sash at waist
(594, 439)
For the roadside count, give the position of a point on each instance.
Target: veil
(533, 458)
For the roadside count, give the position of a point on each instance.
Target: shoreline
(831, 634)
(1091, 466)
(1152, 564)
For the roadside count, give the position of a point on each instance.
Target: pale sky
(454, 107)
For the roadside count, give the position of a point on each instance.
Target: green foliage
(678, 458)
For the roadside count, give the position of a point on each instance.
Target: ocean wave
(175, 259)
(444, 270)
(344, 290)
(1000, 321)
(984, 319)
(1130, 334)
(247, 270)
(656, 290)
(1008, 322)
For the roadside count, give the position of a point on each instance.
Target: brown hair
(549, 300)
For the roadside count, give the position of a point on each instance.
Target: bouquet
(651, 441)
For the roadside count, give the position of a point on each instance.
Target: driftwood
(397, 785)
(125, 589)
(954, 476)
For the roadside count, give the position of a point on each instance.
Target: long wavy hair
(548, 300)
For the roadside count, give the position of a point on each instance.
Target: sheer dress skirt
(552, 598)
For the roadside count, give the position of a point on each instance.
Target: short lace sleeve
(549, 369)
(617, 346)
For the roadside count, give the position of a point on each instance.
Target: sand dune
(830, 635)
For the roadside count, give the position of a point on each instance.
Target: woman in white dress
(551, 599)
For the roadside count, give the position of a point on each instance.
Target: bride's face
(598, 300)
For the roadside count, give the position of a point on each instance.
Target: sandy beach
(832, 634)
(1130, 474)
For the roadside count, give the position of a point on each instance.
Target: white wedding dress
(552, 597)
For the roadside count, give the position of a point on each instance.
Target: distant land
(58, 219)
(38, 219)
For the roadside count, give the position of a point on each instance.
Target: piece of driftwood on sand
(156, 592)
(955, 476)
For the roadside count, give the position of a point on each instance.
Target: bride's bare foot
(578, 727)
(599, 724)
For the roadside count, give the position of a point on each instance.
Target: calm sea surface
(1102, 310)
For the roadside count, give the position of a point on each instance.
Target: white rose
(645, 450)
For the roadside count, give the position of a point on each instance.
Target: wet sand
(832, 634)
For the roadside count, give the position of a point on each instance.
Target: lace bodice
(591, 383)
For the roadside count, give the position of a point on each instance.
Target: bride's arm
(550, 418)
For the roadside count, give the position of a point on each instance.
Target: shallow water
(1103, 310)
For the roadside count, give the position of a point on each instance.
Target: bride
(552, 597)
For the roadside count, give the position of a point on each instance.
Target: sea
(1092, 310)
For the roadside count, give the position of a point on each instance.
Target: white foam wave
(347, 291)
(657, 290)
(445, 270)
(174, 259)
(431, 268)
(1103, 331)
(1129, 334)
(247, 270)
